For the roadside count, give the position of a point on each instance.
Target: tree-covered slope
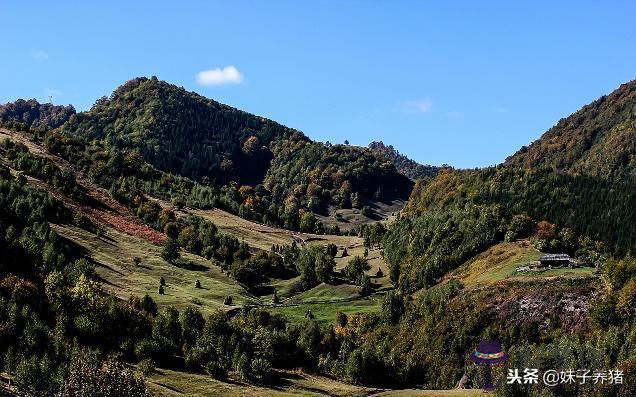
(407, 167)
(599, 139)
(578, 177)
(181, 132)
(265, 171)
(313, 175)
(35, 115)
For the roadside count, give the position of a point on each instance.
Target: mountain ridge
(599, 139)
(578, 177)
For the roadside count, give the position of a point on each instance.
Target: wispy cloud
(39, 55)
(418, 106)
(220, 76)
(500, 109)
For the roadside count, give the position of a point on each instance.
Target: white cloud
(39, 55)
(220, 76)
(419, 106)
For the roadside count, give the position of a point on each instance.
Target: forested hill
(257, 168)
(407, 167)
(33, 114)
(181, 132)
(577, 182)
(599, 139)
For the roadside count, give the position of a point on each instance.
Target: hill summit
(260, 167)
(179, 131)
(598, 140)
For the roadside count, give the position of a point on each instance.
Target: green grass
(327, 292)
(563, 272)
(326, 312)
(501, 261)
(284, 288)
(114, 253)
(262, 237)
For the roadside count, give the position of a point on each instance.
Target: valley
(321, 270)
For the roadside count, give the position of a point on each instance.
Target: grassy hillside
(166, 383)
(459, 214)
(114, 251)
(262, 237)
(89, 219)
(500, 262)
(123, 237)
(577, 176)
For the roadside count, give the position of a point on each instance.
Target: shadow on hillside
(189, 265)
(92, 201)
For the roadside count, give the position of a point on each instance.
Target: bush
(146, 367)
(170, 252)
(354, 271)
(261, 369)
(35, 377)
(89, 378)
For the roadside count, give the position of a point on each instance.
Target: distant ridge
(405, 166)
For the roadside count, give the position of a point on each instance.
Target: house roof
(555, 257)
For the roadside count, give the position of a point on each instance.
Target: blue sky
(463, 83)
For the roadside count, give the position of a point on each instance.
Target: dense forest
(33, 114)
(314, 175)
(597, 140)
(181, 132)
(407, 167)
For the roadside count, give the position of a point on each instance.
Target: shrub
(89, 378)
(146, 366)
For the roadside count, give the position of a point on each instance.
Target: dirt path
(103, 209)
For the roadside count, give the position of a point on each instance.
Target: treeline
(45, 296)
(578, 176)
(126, 175)
(597, 140)
(191, 233)
(598, 208)
(262, 170)
(31, 114)
(313, 176)
(460, 213)
(21, 159)
(405, 166)
(60, 333)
